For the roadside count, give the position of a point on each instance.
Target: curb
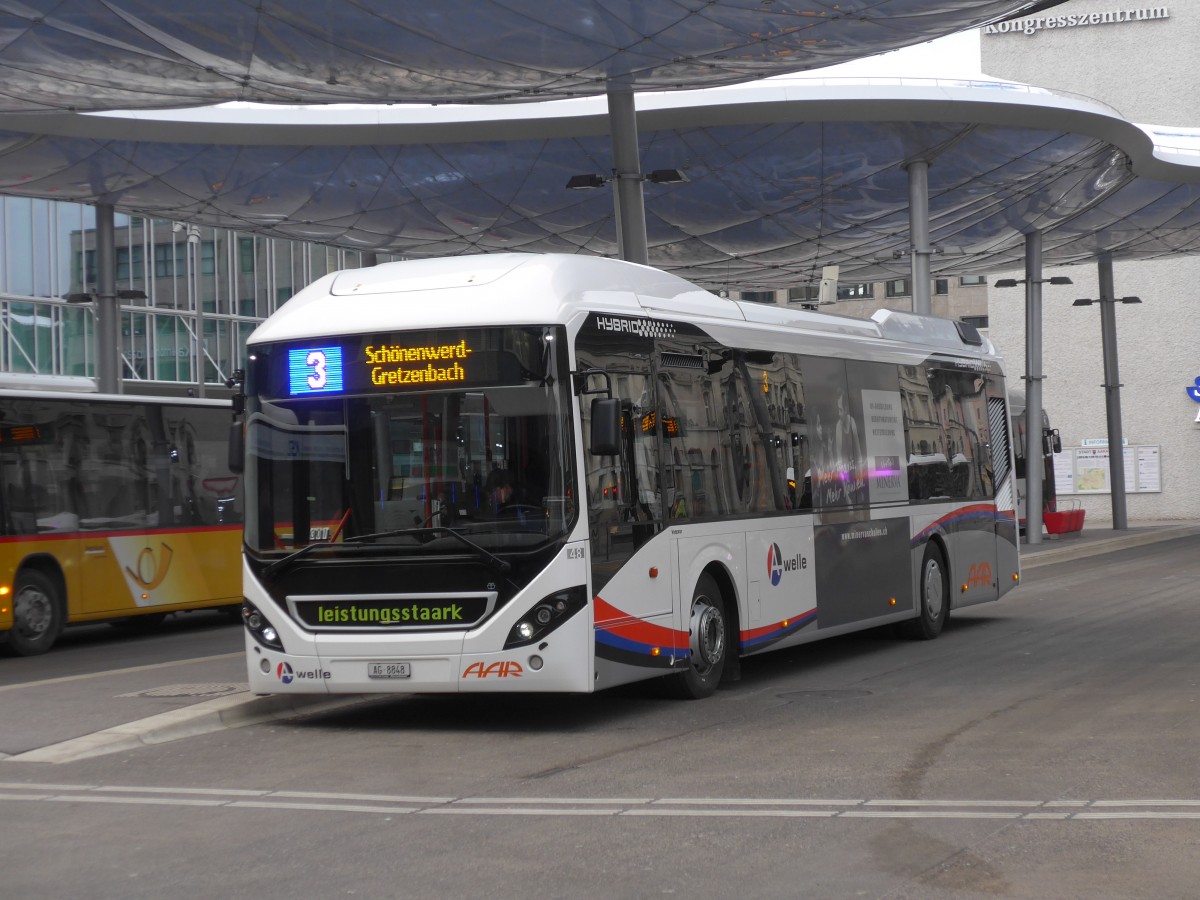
(229, 711)
(1097, 546)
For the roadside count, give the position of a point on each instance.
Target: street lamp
(1083, 301)
(657, 176)
(1013, 282)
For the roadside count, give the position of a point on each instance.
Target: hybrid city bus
(113, 508)
(521, 472)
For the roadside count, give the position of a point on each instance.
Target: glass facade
(206, 289)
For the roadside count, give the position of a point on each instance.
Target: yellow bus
(113, 508)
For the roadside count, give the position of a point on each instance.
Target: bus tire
(38, 614)
(708, 636)
(934, 585)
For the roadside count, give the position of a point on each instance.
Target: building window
(810, 293)
(758, 296)
(862, 291)
(899, 288)
(941, 286)
(246, 255)
(976, 321)
(969, 280)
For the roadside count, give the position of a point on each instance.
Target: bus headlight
(546, 615)
(258, 626)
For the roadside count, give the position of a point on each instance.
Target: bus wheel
(935, 597)
(37, 614)
(709, 643)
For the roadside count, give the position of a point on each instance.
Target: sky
(955, 56)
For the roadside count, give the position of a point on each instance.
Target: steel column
(108, 313)
(1112, 391)
(1033, 388)
(918, 219)
(628, 198)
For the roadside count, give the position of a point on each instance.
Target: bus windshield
(414, 442)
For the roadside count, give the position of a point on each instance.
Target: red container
(1063, 521)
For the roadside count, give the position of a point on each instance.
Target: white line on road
(612, 807)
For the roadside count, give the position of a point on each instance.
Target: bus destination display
(380, 365)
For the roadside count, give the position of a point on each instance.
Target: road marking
(291, 802)
(146, 668)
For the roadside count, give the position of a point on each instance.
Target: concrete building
(190, 295)
(1140, 59)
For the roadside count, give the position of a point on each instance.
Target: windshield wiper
(293, 556)
(502, 566)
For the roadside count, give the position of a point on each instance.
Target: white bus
(1044, 452)
(523, 472)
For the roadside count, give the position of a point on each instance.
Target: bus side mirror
(237, 446)
(1052, 440)
(606, 427)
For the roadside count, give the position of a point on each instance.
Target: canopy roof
(149, 54)
(784, 177)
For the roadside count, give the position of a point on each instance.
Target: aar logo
(980, 575)
(505, 668)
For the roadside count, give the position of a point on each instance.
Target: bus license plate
(389, 670)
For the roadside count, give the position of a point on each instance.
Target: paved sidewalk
(1102, 538)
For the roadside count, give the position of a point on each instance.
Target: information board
(1085, 470)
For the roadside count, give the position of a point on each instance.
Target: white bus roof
(537, 289)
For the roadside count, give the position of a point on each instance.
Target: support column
(108, 313)
(1112, 391)
(1033, 388)
(628, 197)
(918, 226)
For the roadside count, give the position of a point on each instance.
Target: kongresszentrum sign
(1033, 25)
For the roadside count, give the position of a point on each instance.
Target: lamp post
(1112, 386)
(1033, 282)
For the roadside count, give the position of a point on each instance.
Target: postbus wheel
(708, 635)
(934, 585)
(37, 614)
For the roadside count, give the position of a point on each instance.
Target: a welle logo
(778, 564)
(286, 674)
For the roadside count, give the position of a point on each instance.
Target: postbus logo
(148, 571)
(777, 564)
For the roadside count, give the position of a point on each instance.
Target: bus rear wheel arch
(39, 612)
(708, 642)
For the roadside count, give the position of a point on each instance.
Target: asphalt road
(1045, 746)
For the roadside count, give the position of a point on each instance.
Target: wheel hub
(32, 612)
(707, 637)
(933, 590)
